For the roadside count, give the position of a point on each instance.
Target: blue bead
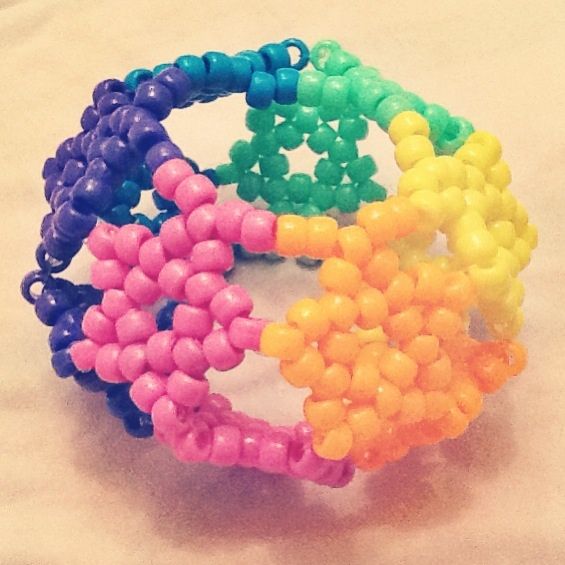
(46, 223)
(47, 263)
(261, 90)
(111, 101)
(164, 317)
(144, 135)
(219, 71)
(136, 77)
(161, 153)
(116, 153)
(118, 401)
(276, 56)
(160, 219)
(106, 86)
(51, 304)
(63, 153)
(59, 196)
(129, 194)
(162, 203)
(287, 86)
(155, 97)
(52, 183)
(63, 334)
(63, 364)
(87, 295)
(195, 69)
(72, 172)
(95, 148)
(178, 84)
(138, 425)
(193, 164)
(88, 138)
(257, 62)
(119, 215)
(50, 167)
(129, 116)
(241, 74)
(92, 194)
(98, 169)
(142, 176)
(76, 147)
(89, 118)
(90, 382)
(103, 128)
(143, 220)
(302, 49)
(212, 175)
(71, 223)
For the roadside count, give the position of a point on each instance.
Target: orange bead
(341, 310)
(355, 245)
(282, 341)
(453, 423)
(333, 383)
(398, 368)
(467, 397)
(388, 399)
(340, 276)
(291, 236)
(400, 292)
(517, 357)
(436, 375)
(306, 370)
(405, 215)
(413, 407)
(322, 236)
(364, 423)
(423, 349)
(373, 308)
(430, 282)
(335, 444)
(458, 294)
(404, 325)
(366, 459)
(444, 323)
(437, 404)
(381, 268)
(364, 382)
(490, 373)
(309, 316)
(378, 221)
(324, 414)
(371, 353)
(339, 347)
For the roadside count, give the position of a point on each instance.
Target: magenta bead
(346, 475)
(229, 303)
(219, 352)
(146, 390)
(195, 191)
(196, 446)
(140, 287)
(258, 231)
(191, 321)
(128, 240)
(201, 223)
(273, 455)
(159, 351)
(100, 242)
(107, 365)
(201, 288)
(212, 255)
(245, 333)
(132, 361)
(97, 326)
(217, 403)
(83, 354)
(169, 175)
(108, 273)
(188, 355)
(226, 446)
(115, 303)
(251, 448)
(304, 463)
(173, 277)
(229, 218)
(186, 390)
(152, 257)
(135, 326)
(174, 237)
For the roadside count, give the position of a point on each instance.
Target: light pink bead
(128, 240)
(173, 277)
(175, 238)
(108, 273)
(146, 390)
(184, 389)
(132, 361)
(197, 444)
(219, 352)
(164, 417)
(229, 218)
(191, 321)
(135, 326)
(100, 242)
(212, 255)
(169, 175)
(159, 351)
(245, 333)
(193, 192)
(226, 446)
(97, 326)
(201, 223)
(152, 257)
(217, 403)
(251, 448)
(201, 288)
(188, 355)
(83, 354)
(115, 303)
(141, 288)
(258, 231)
(273, 456)
(229, 303)
(107, 363)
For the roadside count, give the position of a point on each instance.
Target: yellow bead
(338, 275)
(370, 336)
(493, 199)
(530, 236)
(417, 179)
(306, 370)
(322, 237)
(508, 206)
(507, 256)
(364, 423)
(504, 233)
(310, 317)
(453, 202)
(437, 167)
(406, 124)
(411, 149)
(520, 218)
(324, 414)
(292, 235)
(476, 155)
(476, 247)
(477, 201)
(522, 252)
(489, 142)
(470, 221)
(499, 174)
(355, 245)
(341, 310)
(455, 174)
(475, 179)
(282, 341)
(491, 280)
(335, 444)
(431, 208)
(333, 383)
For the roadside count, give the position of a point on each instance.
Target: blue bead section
(286, 91)
(261, 90)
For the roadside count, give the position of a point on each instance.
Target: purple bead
(63, 153)
(72, 223)
(58, 246)
(155, 97)
(95, 149)
(51, 304)
(66, 330)
(72, 172)
(116, 117)
(144, 135)
(63, 364)
(92, 194)
(98, 169)
(76, 148)
(88, 138)
(106, 86)
(87, 295)
(103, 128)
(90, 382)
(115, 153)
(111, 101)
(45, 223)
(89, 118)
(60, 195)
(50, 167)
(177, 83)
(129, 116)
(52, 183)
(160, 153)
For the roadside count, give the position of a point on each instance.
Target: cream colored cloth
(74, 489)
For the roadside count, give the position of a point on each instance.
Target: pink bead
(146, 390)
(191, 321)
(201, 288)
(210, 418)
(175, 238)
(97, 326)
(212, 255)
(245, 333)
(133, 361)
(141, 288)
(346, 476)
(219, 352)
(115, 303)
(108, 273)
(229, 217)
(303, 432)
(201, 223)
(164, 417)
(193, 192)
(197, 444)
(152, 257)
(188, 355)
(304, 463)
(251, 448)
(186, 390)
(217, 403)
(107, 365)
(173, 277)
(332, 477)
(83, 354)
(273, 456)
(135, 326)
(226, 446)
(169, 175)
(229, 303)
(128, 240)
(100, 242)
(258, 231)
(159, 351)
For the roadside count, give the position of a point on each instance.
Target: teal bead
(299, 187)
(161, 67)
(265, 143)
(281, 207)
(323, 196)
(288, 136)
(346, 198)
(353, 129)
(418, 104)
(343, 151)
(274, 190)
(361, 169)
(371, 191)
(438, 118)
(307, 210)
(322, 139)
(329, 113)
(339, 62)
(250, 186)
(306, 119)
(135, 77)
(362, 72)
(274, 166)
(259, 121)
(143, 220)
(119, 215)
(227, 173)
(321, 52)
(391, 106)
(128, 193)
(328, 172)
(335, 92)
(368, 94)
(243, 155)
(455, 135)
(285, 110)
(310, 85)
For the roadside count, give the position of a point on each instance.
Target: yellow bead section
(406, 124)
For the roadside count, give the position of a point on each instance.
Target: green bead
(274, 190)
(361, 169)
(457, 131)
(362, 72)
(281, 207)
(306, 119)
(310, 85)
(343, 151)
(250, 186)
(328, 172)
(391, 106)
(323, 196)
(321, 52)
(368, 95)
(288, 136)
(339, 62)
(322, 139)
(265, 143)
(370, 191)
(346, 198)
(299, 187)
(307, 210)
(243, 155)
(418, 104)
(438, 118)
(353, 129)
(259, 120)
(274, 166)
(335, 92)
(329, 113)
(227, 173)
(285, 110)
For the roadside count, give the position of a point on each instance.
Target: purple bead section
(89, 118)
(71, 223)
(178, 84)
(50, 167)
(115, 153)
(111, 101)
(106, 86)
(64, 152)
(72, 172)
(161, 153)
(92, 194)
(155, 97)
(144, 135)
